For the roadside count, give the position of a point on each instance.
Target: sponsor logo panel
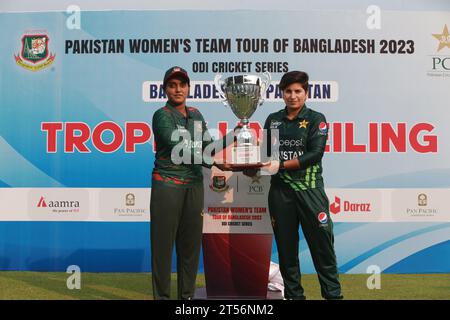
(58, 204)
(424, 205)
(124, 204)
(355, 205)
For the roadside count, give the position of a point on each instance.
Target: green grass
(137, 286)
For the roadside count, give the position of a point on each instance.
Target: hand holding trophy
(243, 94)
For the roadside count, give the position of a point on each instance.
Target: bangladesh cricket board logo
(34, 54)
(219, 184)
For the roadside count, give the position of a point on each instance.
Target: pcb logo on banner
(34, 54)
(440, 60)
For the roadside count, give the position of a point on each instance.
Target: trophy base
(243, 166)
(245, 157)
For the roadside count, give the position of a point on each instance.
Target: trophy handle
(218, 84)
(265, 85)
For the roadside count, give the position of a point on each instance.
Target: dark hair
(293, 77)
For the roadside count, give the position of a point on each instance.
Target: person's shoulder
(161, 113)
(164, 109)
(193, 109)
(316, 115)
(276, 115)
(195, 112)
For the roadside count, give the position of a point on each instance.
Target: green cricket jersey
(190, 139)
(304, 138)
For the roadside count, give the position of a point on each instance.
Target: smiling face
(294, 96)
(177, 91)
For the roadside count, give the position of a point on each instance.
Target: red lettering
(52, 129)
(116, 142)
(73, 141)
(337, 137)
(388, 135)
(131, 139)
(223, 128)
(430, 146)
(346, 206)
(373, 137)
(380, 139)
(350, 146)
(256, 129)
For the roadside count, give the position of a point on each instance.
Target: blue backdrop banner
(78, 91)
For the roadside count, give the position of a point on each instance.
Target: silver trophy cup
(243, 94)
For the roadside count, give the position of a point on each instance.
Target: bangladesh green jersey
(180, 142)
(303, 138)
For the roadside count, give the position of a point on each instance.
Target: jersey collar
(178, 113)
(300, 115)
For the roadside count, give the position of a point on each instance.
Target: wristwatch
(281, 165)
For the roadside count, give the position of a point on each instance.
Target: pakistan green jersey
(303, 138)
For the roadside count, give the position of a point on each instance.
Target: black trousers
(176, 217)
(309, 208)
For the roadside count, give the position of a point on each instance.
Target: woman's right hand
(270, 168)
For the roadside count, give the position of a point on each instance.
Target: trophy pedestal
(237, 265)
(201, 294)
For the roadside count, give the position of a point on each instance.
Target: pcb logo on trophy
(243, 94)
